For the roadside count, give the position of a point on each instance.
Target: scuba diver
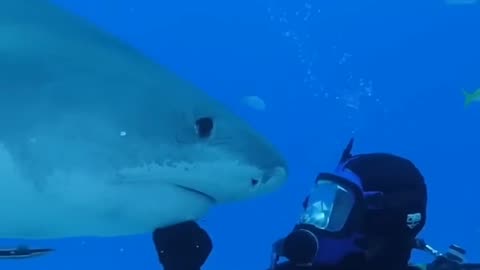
(365, 215)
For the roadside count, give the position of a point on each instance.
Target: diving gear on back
(453, 259)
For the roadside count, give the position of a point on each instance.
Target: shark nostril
(254, 182)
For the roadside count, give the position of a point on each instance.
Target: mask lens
(329, 206)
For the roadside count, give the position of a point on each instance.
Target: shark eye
(204, 127)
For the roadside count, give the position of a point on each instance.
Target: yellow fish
(471, 97)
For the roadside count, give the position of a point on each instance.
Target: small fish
(471, 97)
(23, 252)
(255, 102)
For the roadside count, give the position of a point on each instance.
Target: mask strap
(394, 200)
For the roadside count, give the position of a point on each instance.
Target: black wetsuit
(430, 266)
(186, 246)
(289, 266)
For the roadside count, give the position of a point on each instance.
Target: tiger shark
(96, 139)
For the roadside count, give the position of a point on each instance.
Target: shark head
(98, 140)
(213, 156)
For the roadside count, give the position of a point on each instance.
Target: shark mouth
(198, 192)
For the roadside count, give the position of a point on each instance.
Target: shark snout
(271, 178)
(241, 179)
(273, 169)
(271, 174)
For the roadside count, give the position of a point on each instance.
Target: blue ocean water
(389, 73)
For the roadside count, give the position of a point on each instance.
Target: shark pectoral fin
(23, 253)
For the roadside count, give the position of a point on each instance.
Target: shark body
(98, 140)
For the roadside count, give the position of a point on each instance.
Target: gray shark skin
(98, 140)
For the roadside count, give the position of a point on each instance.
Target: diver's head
(372, 206)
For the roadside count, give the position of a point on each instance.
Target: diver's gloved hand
(183, 246)
(300, 246)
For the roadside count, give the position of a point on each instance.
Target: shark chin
(128, 201)
(93, 204)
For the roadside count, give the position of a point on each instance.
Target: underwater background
(389, 73)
